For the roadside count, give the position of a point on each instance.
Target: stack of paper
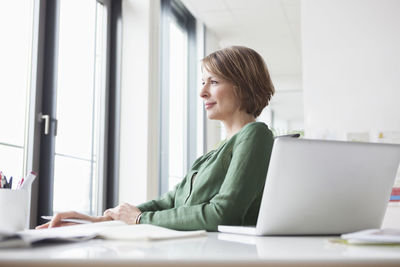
(373, 236)
(116, 230)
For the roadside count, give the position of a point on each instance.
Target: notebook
(318, 187)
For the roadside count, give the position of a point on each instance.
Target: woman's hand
(57, 219)
(124, 212)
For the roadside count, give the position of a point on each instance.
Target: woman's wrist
(102, 218)
(137, 221)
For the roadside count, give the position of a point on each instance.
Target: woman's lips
(210, 104)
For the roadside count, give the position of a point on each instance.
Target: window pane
(79, 94)
(16, 23)
(177, 104)
(71, 174)
(11, 160)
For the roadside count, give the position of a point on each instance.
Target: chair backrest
(296, 135)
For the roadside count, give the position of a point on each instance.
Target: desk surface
(212, 250)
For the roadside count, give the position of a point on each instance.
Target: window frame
(174, 9)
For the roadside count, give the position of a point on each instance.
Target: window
(177, 103)
(16, 23)
(80, 105)
(178, 94)
(59, 85)
(80, 92)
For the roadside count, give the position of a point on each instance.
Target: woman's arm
(166, 201)
(243, 183)
(57, 220)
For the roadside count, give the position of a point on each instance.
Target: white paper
(72, 232)
(377, 236)
(116, 230)
(146, 232)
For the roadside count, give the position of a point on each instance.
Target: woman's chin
(211, 116)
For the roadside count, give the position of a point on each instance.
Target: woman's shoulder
(254, 133)
(255, 129)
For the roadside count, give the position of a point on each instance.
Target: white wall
(351, 70)
(351, 66)
(138, 168)
(287, 103)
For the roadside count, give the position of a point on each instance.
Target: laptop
(319, 187)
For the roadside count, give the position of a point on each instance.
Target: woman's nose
(204, 91)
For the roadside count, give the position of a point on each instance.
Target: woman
(225, 185)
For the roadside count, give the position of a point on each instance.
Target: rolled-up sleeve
(166, 201)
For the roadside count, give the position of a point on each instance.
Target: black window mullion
(50, 18)
(192, 92)
(114, 100)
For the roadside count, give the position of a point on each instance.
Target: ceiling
(272, 28)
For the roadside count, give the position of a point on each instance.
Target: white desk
(211, 250)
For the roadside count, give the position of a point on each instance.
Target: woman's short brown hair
(246, 69)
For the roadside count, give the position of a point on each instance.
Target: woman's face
(219, 98)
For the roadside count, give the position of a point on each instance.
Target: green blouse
(224, 186)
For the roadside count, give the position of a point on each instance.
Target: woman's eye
(213, 82)
(203, 83)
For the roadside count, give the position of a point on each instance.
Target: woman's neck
(236, 123)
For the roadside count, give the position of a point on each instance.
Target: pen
(80, 221)
(20, 183)
(27, 182)
(9, 184)
(3, 181)
(6, 184)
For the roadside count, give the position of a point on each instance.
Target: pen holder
(13, 209)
